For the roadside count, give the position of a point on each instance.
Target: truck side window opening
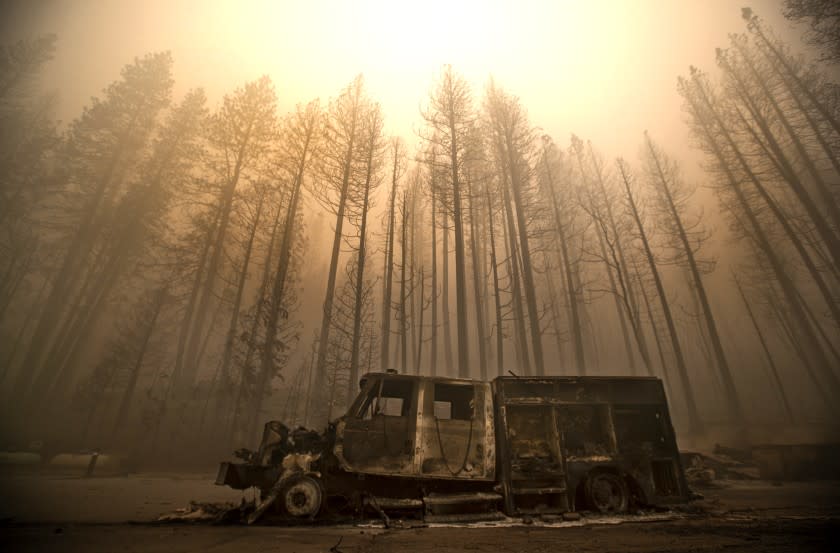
(454, 401)
(391, 406)
(389, 398)
(585, 430)
(638, 426)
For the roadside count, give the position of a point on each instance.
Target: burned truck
(453, 449)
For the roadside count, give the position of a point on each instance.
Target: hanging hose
(376, 409)
(385, 440)
(466, 453)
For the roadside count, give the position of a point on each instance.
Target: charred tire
(302, 497)
(606, 492)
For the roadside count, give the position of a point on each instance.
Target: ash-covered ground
(66, 512)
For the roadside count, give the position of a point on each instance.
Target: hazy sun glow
(541, 49)
(599, 68)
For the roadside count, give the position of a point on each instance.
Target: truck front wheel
(606, 492)
(302, 497)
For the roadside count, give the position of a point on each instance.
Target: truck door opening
(379, 435)
(454, 430)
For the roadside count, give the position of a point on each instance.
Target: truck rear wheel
(302, 497)
(606, 492)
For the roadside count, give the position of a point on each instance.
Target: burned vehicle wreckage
(448, 449)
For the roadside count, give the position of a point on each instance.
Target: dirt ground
(64, 513)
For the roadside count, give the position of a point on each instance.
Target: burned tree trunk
(494, 266)
(302, 136)
(512, 263)
(733, 402)
(447, 330)
(128, 393)
(695, 425)
(476, 270)
(774, 372)
(388, 274)
(233, 326)
(568, 273)
(434, 296)
(372, 146)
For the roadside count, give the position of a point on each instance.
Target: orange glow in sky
(605, 70)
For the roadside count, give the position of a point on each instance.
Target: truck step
(460, 498)
(394, 503)
(464, 517)
(539, 491)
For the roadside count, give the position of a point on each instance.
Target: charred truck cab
(452, 449)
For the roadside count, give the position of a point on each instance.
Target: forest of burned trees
(173, 272)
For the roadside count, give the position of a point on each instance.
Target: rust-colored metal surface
(447, 447)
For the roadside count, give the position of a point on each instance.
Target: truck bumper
(241, 476)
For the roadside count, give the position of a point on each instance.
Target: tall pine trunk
(568, 272)
(189, 368)
(434, 298)
(763, 242)
(512, 261)
(494, 265)
(358, 300)
(695, 425)
(233, 326)
(718, 152)
(476, 270)
(241, 388)
(733, 402)
(521, 230)
(788, 173)
(388, 274)
(774, 372)
(447, 319)
(131, 386)
(403, 281)
(266, 370)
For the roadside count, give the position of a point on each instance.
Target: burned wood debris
(776, 462)
(444, 450)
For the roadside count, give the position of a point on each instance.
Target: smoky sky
(604, 70)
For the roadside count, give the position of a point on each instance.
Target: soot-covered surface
(66, 513)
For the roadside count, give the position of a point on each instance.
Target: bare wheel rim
(607, 493)
(302, 497)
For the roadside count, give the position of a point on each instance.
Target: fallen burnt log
(798, 461)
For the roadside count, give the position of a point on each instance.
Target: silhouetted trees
(642, 234)
(300, 140)
(239, 138)
(823, 18)
(101, 149)
(450, 118)
(339, 185)
(513, 142)
(161, 258)
(396, 152)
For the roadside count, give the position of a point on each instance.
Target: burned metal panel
(647, 450)
(282, 453)
(637, 391)
(446, 437)
(587, 430)
(530, 444)
(456, 431)
(378, 435)
(583, 389)
(602, 423)
(798, 461)
(641, 429)
(502, 447)
(533, 442)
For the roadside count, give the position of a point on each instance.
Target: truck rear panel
(555, 433)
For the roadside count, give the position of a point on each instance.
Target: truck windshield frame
(389, 397)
